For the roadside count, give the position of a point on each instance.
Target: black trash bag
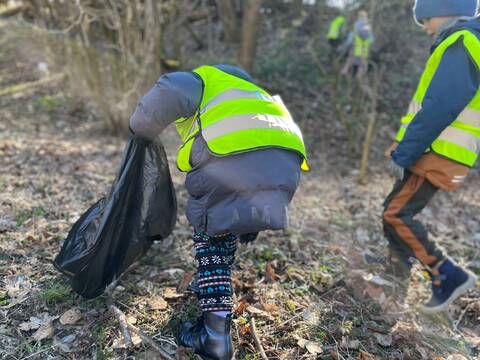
(119, 229)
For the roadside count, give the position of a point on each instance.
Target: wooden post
(248, 43)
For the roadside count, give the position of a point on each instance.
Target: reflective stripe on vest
(460, 141)
(247, 122)
(362, 47)
(233, 94)
(335, 28)
(237, 116)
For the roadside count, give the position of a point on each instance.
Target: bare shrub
(110, 50)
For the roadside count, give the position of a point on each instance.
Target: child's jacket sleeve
(174, 96)
(453, 86)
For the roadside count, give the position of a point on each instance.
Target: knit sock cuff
(215, 257)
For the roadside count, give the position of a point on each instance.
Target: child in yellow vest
(243, 156)
(436, 145)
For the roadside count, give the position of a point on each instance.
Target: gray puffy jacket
(241, 193)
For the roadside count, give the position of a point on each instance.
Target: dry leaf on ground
(456, 357)
(384, 340)
(65, 344)
(271, 308)
(259, 313)
(350, 344)
(311, 346)
(45, 331)
(241, 307)
(377, 280)
(36, 321)
(71, 316)
(171, 293)
(366, 356)
(314, 347)
(119, 343)
(375, 292)
(157, 303)
(187, 278)
(270, 273)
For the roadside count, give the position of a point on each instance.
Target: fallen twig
(145, 338)
(29, 85)
(39, 352)
(257, 339)
(12, 10)
(125, 326)
(148, 340)
(122, 320)
(456, 323)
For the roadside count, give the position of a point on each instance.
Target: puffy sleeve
(175, 95)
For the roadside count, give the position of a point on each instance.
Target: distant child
(359, 41)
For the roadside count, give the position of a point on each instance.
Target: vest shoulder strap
(470, 42)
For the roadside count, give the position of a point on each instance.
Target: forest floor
(309, 288)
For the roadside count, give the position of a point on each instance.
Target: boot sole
(469, 284)
(209, 358)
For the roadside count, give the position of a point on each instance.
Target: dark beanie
(435, 8)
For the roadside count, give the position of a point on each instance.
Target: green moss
(22, 216)
(242, 320)
(56, 292)
(339, 219)
(267, 254)
(39, 211)
(291, 305)
(50, 103)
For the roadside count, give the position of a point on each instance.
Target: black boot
(248, 238)
(210, 337)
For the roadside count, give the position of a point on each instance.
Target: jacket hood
(235, 71)
(472, 24)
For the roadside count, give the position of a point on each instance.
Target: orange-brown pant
(407, 237)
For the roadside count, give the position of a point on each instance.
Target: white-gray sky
(336, 3)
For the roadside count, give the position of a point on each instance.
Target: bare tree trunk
(249, 34)
(373, 94)
(372, 7)
(228, 15)
(298, 6)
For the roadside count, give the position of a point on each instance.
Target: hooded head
(425, 9)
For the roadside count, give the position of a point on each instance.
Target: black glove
(248, 238)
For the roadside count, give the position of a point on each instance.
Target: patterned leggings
(215, 256)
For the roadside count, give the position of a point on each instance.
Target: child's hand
(390, 150)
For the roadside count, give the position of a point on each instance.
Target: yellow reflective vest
(362, 47)
(335, 28)
(460, 141)
(237, 116)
